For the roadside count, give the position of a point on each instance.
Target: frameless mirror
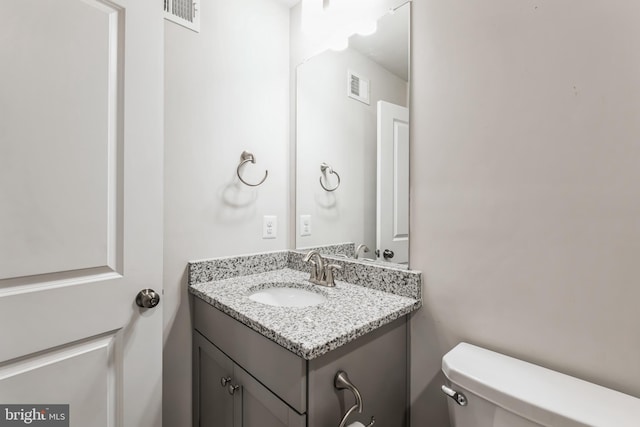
(352, 144)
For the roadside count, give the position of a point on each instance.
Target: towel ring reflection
(249, 157)
(323, 168)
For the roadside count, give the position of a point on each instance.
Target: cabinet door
(377, 365)
(258, 407)
(213, 404)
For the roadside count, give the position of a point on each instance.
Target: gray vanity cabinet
(260, 407)
(215, 371)
(229, 397)
(277, 388)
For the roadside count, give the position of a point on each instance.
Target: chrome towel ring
(323, 168)
(249, 157)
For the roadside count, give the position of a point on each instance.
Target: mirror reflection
(352, 136)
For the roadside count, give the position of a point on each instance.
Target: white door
(392, 214)
(81, 210)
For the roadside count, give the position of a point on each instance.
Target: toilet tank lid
(536, 393)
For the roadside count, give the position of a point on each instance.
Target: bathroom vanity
(260, 365)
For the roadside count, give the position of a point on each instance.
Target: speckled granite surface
(373, 297)
(347, 249)
(349, 312)
(399, 281)
(224, 268)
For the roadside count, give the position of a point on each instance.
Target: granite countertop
(349, 312)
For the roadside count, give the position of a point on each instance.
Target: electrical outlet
(305, 225)
(269, 227)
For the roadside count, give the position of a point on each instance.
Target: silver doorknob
(224, 381)
(388, 254)
(147, 298)
(232, 388)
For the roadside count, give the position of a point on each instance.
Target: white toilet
(489, 389)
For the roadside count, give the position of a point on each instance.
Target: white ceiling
(288, 3)
(389, 45)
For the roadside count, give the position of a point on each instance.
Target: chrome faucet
(317, 265)
(362, 247)
(321, 273)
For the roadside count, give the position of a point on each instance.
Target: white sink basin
(285, 296)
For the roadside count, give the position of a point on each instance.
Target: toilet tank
(500, 391)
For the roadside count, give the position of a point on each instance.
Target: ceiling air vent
(183, 12)
(357, 87)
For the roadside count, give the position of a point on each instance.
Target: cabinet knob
(224, 381)
(232, 388)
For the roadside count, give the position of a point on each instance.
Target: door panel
(59, 137)
(393, 182)
(93, 360)
(80, 223)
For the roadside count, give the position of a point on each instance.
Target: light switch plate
(269, 227)
(305, 225)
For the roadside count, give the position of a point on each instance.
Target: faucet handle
(328, 273)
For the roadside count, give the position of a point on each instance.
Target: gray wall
(525, 208)
(226, 90)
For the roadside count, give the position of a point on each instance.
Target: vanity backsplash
(398, 281)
